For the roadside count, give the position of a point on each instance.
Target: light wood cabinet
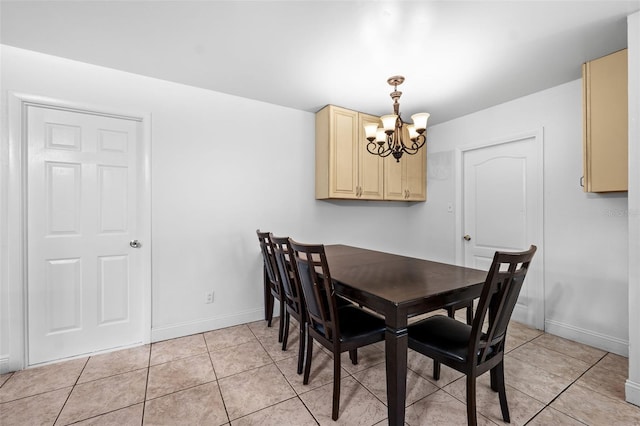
(605, 120)
(344, 168)
(406, 180)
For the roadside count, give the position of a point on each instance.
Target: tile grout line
(548, 405)
(71, 391)
(275, 364)
(226, 411)
(114, 410)
(146, 385)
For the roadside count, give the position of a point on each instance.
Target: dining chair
(272, 285)
(339, 329)
(467, 348)
(293, 299)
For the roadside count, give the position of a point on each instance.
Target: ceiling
(457, 56)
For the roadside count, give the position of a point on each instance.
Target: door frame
(537, 267)
(15, 226)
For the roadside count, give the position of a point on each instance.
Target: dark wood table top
(396, 278)
(400, 280)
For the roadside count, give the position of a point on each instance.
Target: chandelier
(389, 139)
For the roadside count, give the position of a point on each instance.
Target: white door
(502, 210)
(84, 287)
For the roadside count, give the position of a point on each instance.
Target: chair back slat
(497, 301)
(288, 270)
(269, 259)
(317, 287)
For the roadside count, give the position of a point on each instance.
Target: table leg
(396, 343)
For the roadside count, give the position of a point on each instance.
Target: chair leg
(285, 333)
(268, 301)
(470, 314)
(436, 370)
(281, 326)
(471, 401)
(502, 391)
(451, 313)
(301, 348)
(336, 385)
(307, 359)
(353, 355)
(493, 380)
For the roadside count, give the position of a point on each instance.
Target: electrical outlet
(208, 297)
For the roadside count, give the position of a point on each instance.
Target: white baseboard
(632, 392)
(193, 327)
(4, 364)
(523, 315)
(588, 337)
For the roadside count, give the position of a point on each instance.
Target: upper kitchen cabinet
(605, 121)
(344, 167)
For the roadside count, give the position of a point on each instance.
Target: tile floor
(240, 376)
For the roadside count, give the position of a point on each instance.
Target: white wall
(216, 177)
(585, 236)
(222, 166)
(633, 383)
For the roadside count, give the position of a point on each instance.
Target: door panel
(113, 286)
(345, 169)
(370, 166)
(63, 184)
(500, 213)
(113, 187)
(82, 191)
(500, 190)
(63, 295)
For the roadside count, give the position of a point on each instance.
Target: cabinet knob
(467, 237)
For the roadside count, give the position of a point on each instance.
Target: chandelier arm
(418, 142)
(377, 149)
(415, 146)
(390, 144)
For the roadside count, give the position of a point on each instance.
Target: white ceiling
(457, 56)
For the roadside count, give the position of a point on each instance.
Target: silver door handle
(467, 237)
(135, 243)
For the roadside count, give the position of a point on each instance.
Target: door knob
(135, 243)
(467, 237)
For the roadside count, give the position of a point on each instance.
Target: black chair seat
(356, 324)
(442, 335)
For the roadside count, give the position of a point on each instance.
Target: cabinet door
(406, 180)
(371, 167)
(343, 164)
(394, 177)
(415, 175)
(605, 118)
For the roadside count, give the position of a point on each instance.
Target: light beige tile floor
(240, 376)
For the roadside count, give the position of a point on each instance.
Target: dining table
(399, 287)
